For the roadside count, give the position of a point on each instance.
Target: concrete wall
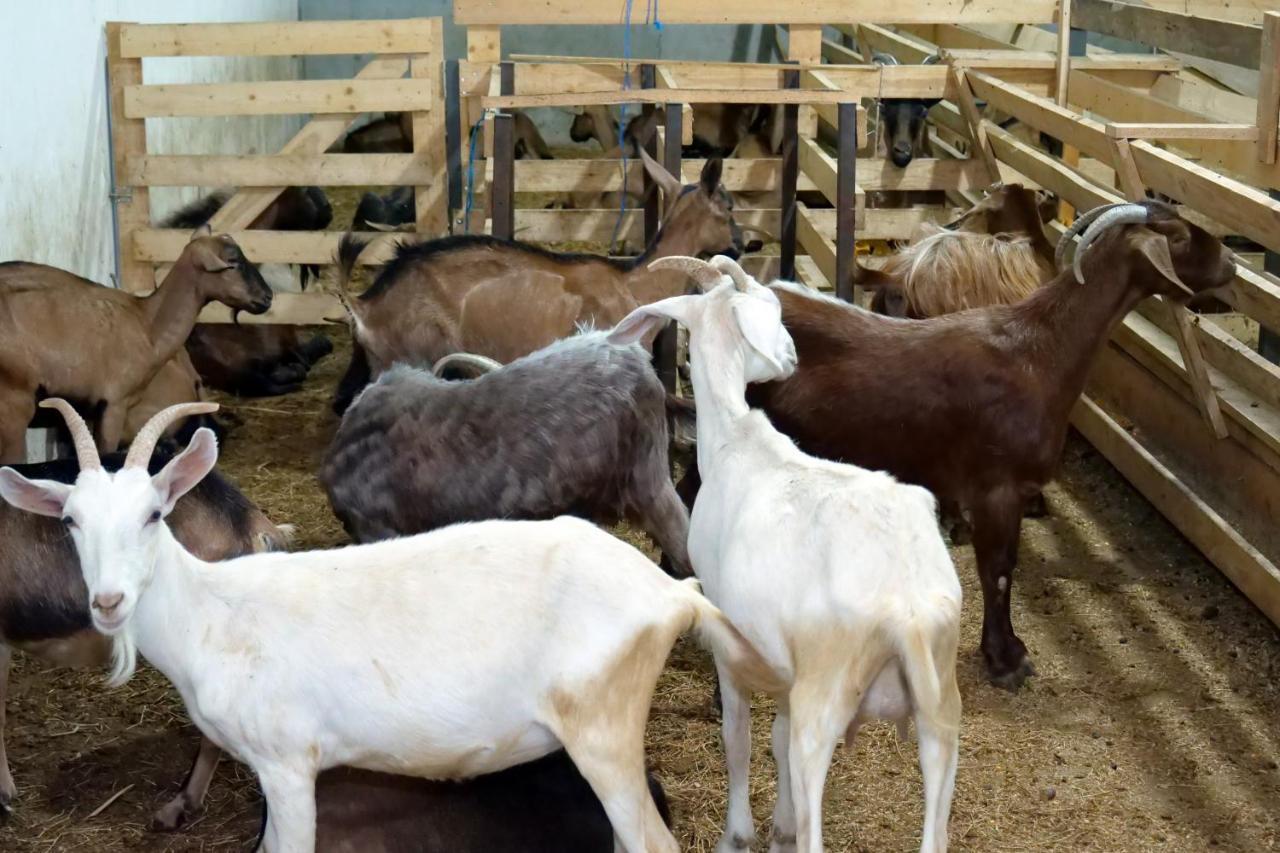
(54, 156)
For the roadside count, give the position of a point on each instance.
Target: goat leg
(665, 518)
(177, 811)
(7, 789)
(997, 522)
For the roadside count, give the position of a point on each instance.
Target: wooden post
(1268, 339)
(846, 200)
(453, 134)
(1269, 88)
(431, 201)
(484, 44)
(804, 45)
(128, 139)
(1069, 44)
(790, 176)
(973, 120)
(1183, 320)
(664, 348)
(504, 152)
(652, 204)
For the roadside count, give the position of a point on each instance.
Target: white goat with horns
(445, 655)
(838, 575)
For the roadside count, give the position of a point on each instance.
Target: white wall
(54, 160)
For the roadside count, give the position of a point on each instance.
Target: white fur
(445, 655)
(837, 575)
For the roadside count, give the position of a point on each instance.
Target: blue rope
(471, 176)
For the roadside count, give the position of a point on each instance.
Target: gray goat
(578, 427)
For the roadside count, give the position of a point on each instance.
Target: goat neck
(650, 285)
(171, 311)
(719, 379)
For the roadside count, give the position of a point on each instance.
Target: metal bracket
(121, 194)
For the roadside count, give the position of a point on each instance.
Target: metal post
(790, 175)
(453, 137)
(1268, 339)
(846, 199)
(504, 179)
(652, 204)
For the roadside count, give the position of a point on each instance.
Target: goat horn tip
(53, 403)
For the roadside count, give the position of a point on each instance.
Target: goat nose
(107, 602)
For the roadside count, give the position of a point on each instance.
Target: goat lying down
(544, 806)
(578, 427)
(540, 635)
(44, 603)
(837, 574)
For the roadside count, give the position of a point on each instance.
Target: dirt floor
(1154, 723)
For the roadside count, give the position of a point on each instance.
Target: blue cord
(471, 176)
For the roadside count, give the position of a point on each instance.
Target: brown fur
(974, 405)
(121, 340)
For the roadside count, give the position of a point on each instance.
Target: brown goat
(994, 254)
(65, 336)
(505, 299)
(974, 405)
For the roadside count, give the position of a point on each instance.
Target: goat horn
(145, 441)
(728, 265)
(696, 268)
(1083, 221)
(1122, 215)
(86, 450)
(485, 363)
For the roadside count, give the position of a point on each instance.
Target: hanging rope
(471, 172)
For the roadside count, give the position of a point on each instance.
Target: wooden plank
(1123, 104)
(277, 38)
(1240, 561)
(1203, 98)
(818, 12)
(295, 309)
(128, 139)
(164, 245)
(605, 175)
(249, 170)
(667, 80)
(1269, 88)
(431, 197)
(1227, 355)
(1063, 54)
(662, 96)
(819, 248)
(597, 226)
(885, 223)
(1224, 41)
(1168, 131)
(277, 97)
(908, 51)
(973, 121)
(484, 43)
(804, 45)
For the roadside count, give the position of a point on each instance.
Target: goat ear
(709, 180)
(761, 325)
(648, 319)
(670, 186)
(1155, 247)
(186, 469)
(43, 497)
(203, 231)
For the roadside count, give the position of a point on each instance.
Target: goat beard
(124, 657)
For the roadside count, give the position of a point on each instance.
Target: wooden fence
(405, 75)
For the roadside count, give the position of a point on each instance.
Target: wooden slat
(276, 38)
(164, 245)
(128, 139)
(997, 60)
(667, 80)
(597, 226)
(662, 96)
(558, 12)
(247, 170)
(431, 198)
(1224, 41)
(1168, 131)
(1269, 88)
(886, 223)
(1063, 53)
(820, 249)
(277, 97)
(296, 309)
(973, 121)
(1239, 560)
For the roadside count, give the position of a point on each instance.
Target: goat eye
(155, 516)
(68, 521)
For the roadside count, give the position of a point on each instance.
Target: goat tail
(915, 652)
(349, 250)
(730, 648)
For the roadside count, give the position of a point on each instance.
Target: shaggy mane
(949, 271)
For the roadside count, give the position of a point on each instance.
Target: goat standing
(838, 575)
(445, 655)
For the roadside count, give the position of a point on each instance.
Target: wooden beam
(1168, 131)
(431, 196)
(277, 97)
(163, 245)
(973, 120)
(250, 170)
(667, 80)
(1269, 88)
(1210, 38)
(128, 140)
(818, 247)
(661, 96)
(1063, 56)
(818, 12)
(277, 38)
(1246, 566)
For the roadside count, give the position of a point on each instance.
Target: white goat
(838, 575)
(445, 655)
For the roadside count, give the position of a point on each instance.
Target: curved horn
(697, 269)
(145, 441)
(86, 450)
(1082, 222)
(486, 364)
(727, 265)
(1122, 215)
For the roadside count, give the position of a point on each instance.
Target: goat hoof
(172, 816)
(733, 842)
(1016, 677)
(782, 842)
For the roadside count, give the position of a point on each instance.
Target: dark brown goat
(504, 299)
(44, 605)
(544, 806)
(974, 405)
(120, 341)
